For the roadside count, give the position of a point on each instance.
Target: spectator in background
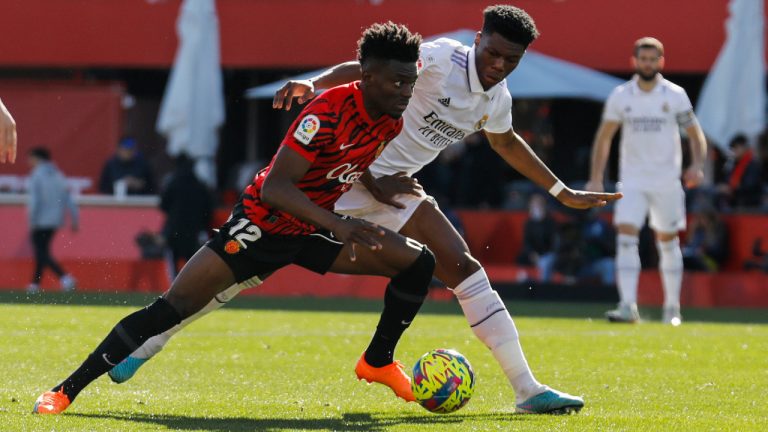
(706, 247)
(188, 206)
(7, 135)
(598, 244)
(539, 237)
(128, 167)
(743, 186)
(48, 200)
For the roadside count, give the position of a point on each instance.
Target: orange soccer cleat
(392, 375)
(51, 402)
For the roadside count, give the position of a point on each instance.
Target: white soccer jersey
(651, 156)
(448, 104)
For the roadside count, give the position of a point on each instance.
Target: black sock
(130, 333)
(402, 300)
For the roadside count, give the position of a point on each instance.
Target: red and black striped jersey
(334, 133)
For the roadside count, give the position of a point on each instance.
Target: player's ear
(367, 77)
(633, 62)
(478, 35)
(661, 62)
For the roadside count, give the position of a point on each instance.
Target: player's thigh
(430, 226)
(667, 210)
(358, 202)
(396, 254)
(203, 276)
(631, 209)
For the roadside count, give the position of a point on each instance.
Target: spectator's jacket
(48, 198)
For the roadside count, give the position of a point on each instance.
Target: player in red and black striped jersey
(285, 217)
(339, 139)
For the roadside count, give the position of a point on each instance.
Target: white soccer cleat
(625, 313)
(671, 315)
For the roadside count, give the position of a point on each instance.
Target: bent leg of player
(205, 275)
(410, 267)
(487, 316)
(131, 364)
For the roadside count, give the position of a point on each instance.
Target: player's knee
(416, 278)
(460, 268)
(627, 241)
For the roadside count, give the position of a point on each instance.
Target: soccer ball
(443, 381)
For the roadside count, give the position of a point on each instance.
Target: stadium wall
(105, 257)
(306, 33)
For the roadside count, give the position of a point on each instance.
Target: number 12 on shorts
(248, 232)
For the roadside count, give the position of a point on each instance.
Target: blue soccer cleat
(551, 402)
(124, 370)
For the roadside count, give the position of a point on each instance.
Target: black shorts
(250, 253)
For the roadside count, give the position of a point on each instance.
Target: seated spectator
(760, 257)
(130, 167)
(706, 247)
(598, 246)
(539, 237)
(742, 187)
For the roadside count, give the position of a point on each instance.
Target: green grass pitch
(287, 364)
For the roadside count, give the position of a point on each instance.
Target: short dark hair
(649, 42)
(41, 153)
(514, 24)
(738, 140)
(388, 41)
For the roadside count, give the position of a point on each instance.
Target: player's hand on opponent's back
(358, 232)
(7, 136)
(584, 199)
(302, 90)
(385, 188)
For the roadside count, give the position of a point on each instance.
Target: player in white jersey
(650, 111)
(460, 90)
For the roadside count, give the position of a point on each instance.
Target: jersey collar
(472, 78)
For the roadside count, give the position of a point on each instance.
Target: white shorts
(358, 202)
(666, 208)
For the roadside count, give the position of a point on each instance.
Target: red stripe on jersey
(334, 133)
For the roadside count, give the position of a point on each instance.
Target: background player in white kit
(650, 111)
(460, 90)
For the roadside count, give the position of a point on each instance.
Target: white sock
(671, 267)
(627, 267)
(493, 325)
(156, 343)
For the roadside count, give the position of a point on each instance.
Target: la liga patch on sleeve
(307, 128)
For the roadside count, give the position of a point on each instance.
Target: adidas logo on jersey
(445, 101)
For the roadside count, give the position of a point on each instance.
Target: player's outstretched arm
(7, 135)
(516, 152)
(601, 149)
(304, 90)
(280, 191)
